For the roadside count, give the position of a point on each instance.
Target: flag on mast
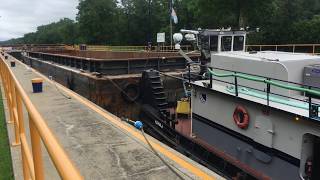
(174, 16)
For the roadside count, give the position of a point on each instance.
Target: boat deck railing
(32, 162)
(309, 92)
(294, 48)
(309, 99)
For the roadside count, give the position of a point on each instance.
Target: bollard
(37, 85)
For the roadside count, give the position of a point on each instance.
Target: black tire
(131, 93)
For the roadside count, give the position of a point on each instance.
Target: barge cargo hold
(107, 78)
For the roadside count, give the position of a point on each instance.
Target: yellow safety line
(183, 163)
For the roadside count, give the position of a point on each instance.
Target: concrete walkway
(97, 146)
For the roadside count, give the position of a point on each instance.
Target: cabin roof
(269, 55)
(210, 32)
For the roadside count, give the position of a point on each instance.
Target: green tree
(135, 22)
(97, 21)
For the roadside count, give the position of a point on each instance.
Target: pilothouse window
(238, 43)
(226, 42)
(213, 43)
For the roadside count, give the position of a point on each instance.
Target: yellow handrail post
(5, 88)
(25, 168)
(15, 116)
(28, 156)
(9, 95)
(10, 98)
(36, 150)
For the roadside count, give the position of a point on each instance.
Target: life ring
(131, 92)
(241, 117)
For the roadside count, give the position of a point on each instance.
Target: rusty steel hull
(107, 91)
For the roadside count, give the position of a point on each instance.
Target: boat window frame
(216, 43)
(222, 44)
(242, 43)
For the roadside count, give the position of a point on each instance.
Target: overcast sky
(23, 16)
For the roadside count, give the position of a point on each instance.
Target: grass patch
(6, 172)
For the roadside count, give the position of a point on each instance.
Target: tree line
(135, 22)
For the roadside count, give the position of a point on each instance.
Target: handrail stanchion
(189, 71)
(210, 78)
(5, 88)
(236, 84)
(27, 155)
(12, 114)
(25, 168)
(15, 117)
(268, 92)
(36, 150)
(9, 97)
(310, 103)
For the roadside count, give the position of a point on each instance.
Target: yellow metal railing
(294, 48)
(32, 162)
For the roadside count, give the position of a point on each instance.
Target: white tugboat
(258, 111)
